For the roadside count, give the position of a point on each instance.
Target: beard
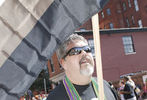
(87, 70)
(86, 66)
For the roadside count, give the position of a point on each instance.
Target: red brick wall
(143, 10)
(118, 15)
(87, 25)
(56, 66)
(114, 60)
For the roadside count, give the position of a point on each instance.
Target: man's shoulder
(104, 81)
(128, 85)
(108, 91)
(58, 93)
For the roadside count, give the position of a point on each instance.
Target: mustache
(85, 58)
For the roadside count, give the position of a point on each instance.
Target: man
(128, 90)
(76, 58)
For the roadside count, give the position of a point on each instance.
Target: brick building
(121, 14)
(123, 52)
(115, 59)
(124, 14)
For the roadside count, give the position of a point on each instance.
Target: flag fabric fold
(29, 34)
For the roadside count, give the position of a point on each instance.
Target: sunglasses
(77, 50)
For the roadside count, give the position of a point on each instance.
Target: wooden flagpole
(96, 36)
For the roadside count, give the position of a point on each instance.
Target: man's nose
(83, 52)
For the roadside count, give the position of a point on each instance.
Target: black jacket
(85, 92)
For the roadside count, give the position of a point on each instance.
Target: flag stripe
(15, 27)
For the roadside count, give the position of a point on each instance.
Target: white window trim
(111, 25)
(102, 14)
(127, 40)
(129, 2)
(140, 23)
(91, 44)
(108, 11)
(136, 5)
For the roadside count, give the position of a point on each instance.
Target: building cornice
(114, 31)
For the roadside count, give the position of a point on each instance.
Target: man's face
(79, 64)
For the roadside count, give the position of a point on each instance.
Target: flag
(30, 31)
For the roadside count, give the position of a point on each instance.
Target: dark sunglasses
(77, 50)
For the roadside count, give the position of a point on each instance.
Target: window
(108, 11)
(140, 23)
(52, 65)
(124, 6)
(145, 8)
(111, 25)
(136, 5)
(127, 21)
(46, 70)
(133, 21)
(102, 14)
(60, 66)
(82, 29)
(118, 8)
(128, 44)
(104, 26)
(91, 44)
(129, 2)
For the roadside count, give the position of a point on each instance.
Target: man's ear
(62, 62)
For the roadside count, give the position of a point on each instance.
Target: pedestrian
(136, 89)
(122, 85)
(131, 82)
(76, 58)
(144, 94)
(128, 90)
(29, 94)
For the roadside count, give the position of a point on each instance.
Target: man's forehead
(76, 43)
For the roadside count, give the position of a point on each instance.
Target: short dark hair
(126, 78)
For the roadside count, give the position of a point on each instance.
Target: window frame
(91, 44)
(111, 25)
(124, 6)
(52, 65)
(128, 44)
(108, 11)
(133, 20)
(140, 23)
(136, 5)
(102, 14)
(129, 3)
(127, 21)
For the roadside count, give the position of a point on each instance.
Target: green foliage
(39, 82)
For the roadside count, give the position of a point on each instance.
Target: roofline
(113, 31)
